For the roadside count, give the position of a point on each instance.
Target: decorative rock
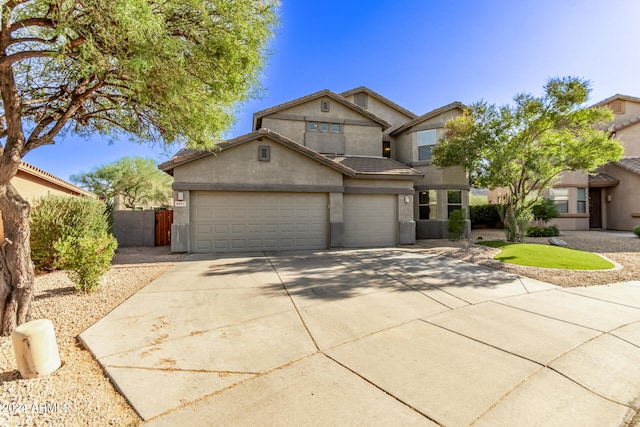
(557, 242)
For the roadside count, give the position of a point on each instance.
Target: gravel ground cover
(79, 394)
(621, 248)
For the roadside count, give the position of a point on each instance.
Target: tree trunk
(16, 268)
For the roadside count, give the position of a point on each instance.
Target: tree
(166, 71)
(138, 181)
(526, 147)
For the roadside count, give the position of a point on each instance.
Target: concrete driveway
(370, 337)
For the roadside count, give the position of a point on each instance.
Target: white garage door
(247, 221)
(370, 220)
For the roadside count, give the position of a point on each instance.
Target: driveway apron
(370, 337)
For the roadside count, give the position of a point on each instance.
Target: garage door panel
(370, 220)
(242, 221)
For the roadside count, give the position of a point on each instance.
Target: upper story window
(386, 148)
(324, 127)
(426, 140)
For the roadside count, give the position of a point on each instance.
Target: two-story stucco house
(607, 198)
(323, 171)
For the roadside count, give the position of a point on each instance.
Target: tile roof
(380, 98)
(632, 164)
(368, 165)
(616, 97)
(271, 110)
(602, 180)
(427, 116)
(42, 174)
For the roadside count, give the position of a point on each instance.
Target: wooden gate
(164, 219)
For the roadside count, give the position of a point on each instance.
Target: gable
(626, 109)
(379, 105)
(241, 166)
(312, 105)
(431, 120)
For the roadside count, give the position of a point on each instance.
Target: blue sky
(421, 54)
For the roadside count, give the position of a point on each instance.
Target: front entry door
(595, 208)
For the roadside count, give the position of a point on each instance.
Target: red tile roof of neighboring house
(37, 172)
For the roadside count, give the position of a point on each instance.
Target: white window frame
(452, 206)
(431, 204)
(427, 138)
(560, 197)
(581, 203)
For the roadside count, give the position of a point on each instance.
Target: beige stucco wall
(240, 165)
(623, 209)
(392, 184)
(631, 110)
(362, 135)
(435, 177)
(630, 138)
(384, 111)
(292, 129)
(32, 188)
(405, 145)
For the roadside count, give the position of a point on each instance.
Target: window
(386, 148)
(582, 200)
(426, 140)
(427, 204)
(324, 127)
(324, 106)
(454, 201)
(560, 197)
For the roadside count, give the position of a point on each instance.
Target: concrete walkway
(370, 337)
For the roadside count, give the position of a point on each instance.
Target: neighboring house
(322, 171)
(608, 198)
(33, 183)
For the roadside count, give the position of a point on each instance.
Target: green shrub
(55, 218)
(636, 230)
(485, 216)
(543, 231)
(544, 211)
(457, 224)
(86, 258)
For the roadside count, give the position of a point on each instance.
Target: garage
(370, 220)
(258, 221)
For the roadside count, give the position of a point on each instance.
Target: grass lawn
(547, 256)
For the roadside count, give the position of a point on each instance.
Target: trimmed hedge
(485, 216)
(551, 231)
(636, 230)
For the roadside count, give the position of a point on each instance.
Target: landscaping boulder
(557, 242)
